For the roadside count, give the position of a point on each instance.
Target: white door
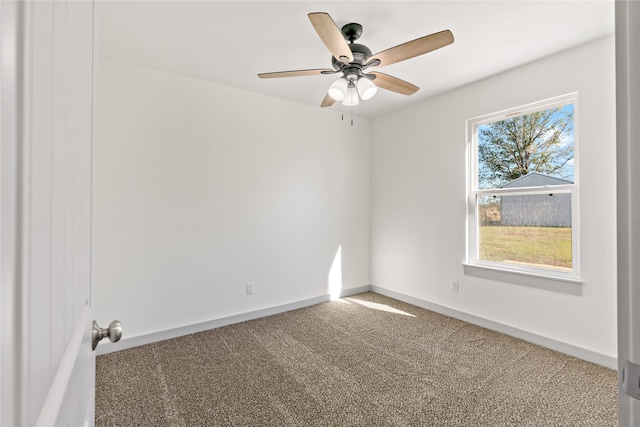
(47, 368)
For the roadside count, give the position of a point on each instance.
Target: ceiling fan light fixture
(338, 89)
(351, 99)
(366, 88)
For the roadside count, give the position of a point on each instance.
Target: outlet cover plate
(455, 286)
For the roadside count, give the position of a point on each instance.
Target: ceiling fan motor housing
(361, 54)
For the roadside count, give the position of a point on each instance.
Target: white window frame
(473, 193)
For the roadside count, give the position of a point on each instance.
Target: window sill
(567, 285)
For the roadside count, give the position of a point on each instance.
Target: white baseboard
(354, 291)
(130, 342)
(571, 350)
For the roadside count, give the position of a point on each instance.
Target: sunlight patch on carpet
(378, 306)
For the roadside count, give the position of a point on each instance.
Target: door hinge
(631, 379)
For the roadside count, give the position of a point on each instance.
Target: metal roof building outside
(539, 210)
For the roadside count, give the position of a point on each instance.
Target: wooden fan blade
(295, 73)
(413, 48)
(327, 101)
(331, 36)
(393, 84)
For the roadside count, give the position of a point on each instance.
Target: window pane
(530, 230)
(527, 150)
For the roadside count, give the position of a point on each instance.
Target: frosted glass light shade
(338, 89)
(366, 88)
(351, 97)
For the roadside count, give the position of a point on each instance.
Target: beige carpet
(366, 360)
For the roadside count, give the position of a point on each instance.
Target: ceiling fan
(352, 59)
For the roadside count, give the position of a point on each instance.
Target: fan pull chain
(342, 114)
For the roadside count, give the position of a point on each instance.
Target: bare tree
(537, 142)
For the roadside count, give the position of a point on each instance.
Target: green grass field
(535, 246)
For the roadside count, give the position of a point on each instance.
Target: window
(523, 189)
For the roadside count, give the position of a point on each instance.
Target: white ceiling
(229, 42)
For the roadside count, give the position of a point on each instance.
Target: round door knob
(114, 332)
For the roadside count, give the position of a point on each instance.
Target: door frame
(628, 196)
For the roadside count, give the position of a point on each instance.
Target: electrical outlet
(454, 286)
(249, 288)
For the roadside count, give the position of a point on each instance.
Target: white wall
(418, 202)
(199, 188)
